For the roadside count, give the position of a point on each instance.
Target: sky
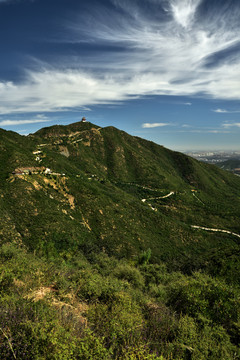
(165, 70)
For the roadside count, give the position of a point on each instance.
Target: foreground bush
(111, 309)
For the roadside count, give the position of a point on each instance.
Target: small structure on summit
(84, 119)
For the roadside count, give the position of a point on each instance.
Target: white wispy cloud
(228, 125)
(61, 90)
(220, 111)
(217, 132)
(224, 111)
(153, 125)
(205, 131)
(184, 10)
(38, 119)
(165, 56)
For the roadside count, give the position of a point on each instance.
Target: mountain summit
(113, 247)
(85, 187)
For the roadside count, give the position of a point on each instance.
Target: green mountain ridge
(232, 165)
(114, 247)
(113, 193)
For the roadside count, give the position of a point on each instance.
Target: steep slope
(232, 165)
(81, 187)
(102, 235)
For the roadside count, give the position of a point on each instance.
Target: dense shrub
(201, 294)
(120, 322)
(111, 309)
(129, 273)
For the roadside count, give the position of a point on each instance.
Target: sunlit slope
(107, 190)
(117, 155)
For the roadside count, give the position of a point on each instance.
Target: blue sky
(164, 70)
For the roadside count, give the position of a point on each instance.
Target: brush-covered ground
(106, 308)
(113, 247)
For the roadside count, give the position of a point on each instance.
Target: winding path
(216, 230)
(159, 197)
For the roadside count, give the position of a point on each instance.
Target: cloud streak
(38, 119)
(154, 125)
(228, 125)
(223, 111)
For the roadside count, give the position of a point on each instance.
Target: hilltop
(114, 191)
(98, 224)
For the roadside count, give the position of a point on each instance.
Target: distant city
(214, 157)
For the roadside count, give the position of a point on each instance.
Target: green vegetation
(98, 256)
(105, 308)
(232, 165)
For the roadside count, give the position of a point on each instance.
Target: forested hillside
(114, 247)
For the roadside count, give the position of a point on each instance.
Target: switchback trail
(216, 230)
(159, 197)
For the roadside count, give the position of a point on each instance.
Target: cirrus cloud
(184, 10)
(223, 111)
(228, 125)
(38, 119)
(166, 53)
(153, 125)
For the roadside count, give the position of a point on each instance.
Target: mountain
(114, 247)
(108, 190)
(232, 165)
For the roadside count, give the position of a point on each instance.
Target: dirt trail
(216, 230)
(159, 197)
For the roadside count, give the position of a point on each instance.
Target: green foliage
(76, 280)
(209, 297)
(212, 342)
(91, 347)
(129, 273)
(93, 286)
(140, 352)
(6, 280)
(108, 173)
(58, 309)
(120, 322)
(145, 257)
